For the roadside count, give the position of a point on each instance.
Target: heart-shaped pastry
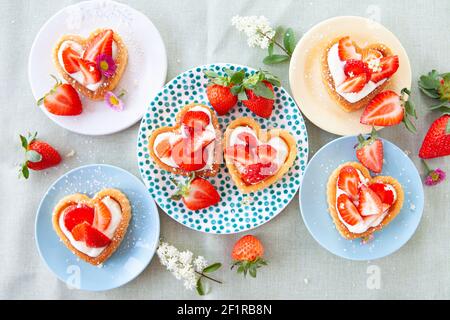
(193, 144)
(93, 66)
(255, 158)
(353, 75)
(360, 204)
(92, 228)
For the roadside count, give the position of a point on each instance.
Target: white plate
(305, 76)
(144, 75)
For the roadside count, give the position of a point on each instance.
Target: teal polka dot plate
(235, 212)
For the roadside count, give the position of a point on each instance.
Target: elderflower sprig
(261, 34)
(184, 266)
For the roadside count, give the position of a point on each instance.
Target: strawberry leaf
(24, 142)
(238, 77)
(210, 74)
(242, 96)
(261, 90)
(25, 172)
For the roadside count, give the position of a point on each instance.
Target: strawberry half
(370, 152)
(348, 181)
(62, 100)
(196, 193)
(102, 216)
(76, 214)
(371, 54)
(258, 172)
(384, 110)
(70, 60)
(90, 71)
(437, 140)
(389, 65)
(92, 237)
(249, 139)
(240, 153)
(353, 84)
(186, 159)
(386, 195)
(347, 49)
(369, 202)
(197, 120)
(356, 67)
(347, 210)
(100, 44)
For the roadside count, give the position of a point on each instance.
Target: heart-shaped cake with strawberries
(93, 65)
(256, 158)
(360, 204)
(193, 144)
(354, 75)
(93, 228)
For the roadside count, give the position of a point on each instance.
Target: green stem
(427, 167)
(275, 42)
(207, 277)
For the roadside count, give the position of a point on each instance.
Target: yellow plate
(305, 74)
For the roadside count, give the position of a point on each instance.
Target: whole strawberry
(248, 255)
(219, 91)
(39, 155)
(256, 93)
(437, 140)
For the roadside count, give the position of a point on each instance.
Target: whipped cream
(367, 221)
(209, 131)
(78, 76)
(116, 216)
(336, 67)
(275, 142)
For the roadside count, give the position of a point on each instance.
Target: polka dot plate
(236, 212)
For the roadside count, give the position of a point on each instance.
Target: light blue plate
(136, 250)
(236, 212)
(313, 201)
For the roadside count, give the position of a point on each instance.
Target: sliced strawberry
(356, 67)
(389, 65)
(76, 214)
(371, 54)
(347, 210)
(186, 159)
(101, 44)
(384, 110)
(70, 60)
(386, 195)
(354, 84)
(369, 202)
(249, 139)
(370, 152)
(199, 141)
(79, 232)
(348, 181)
(348, 50)
(90, 72)
(266, 153)
(102, 216)
(164, 148)
(197, 194)
(241, 154)
(62, 100)
(92, 237)
(257, 172)
(197, 120)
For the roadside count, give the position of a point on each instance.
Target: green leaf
(432, 93)
(440, 106)
(25, 171)
(242, 96)
(289, 40)
(409, 125)
(213, 267)
(210, 74)
(33, 156)
(240, 269)
(410, 109)
(427, 82)
(261, 90)
(24, 141)
(229, 72)
(270, 48)
(275, 58)
(238, 77)
(252, 272)
(236, 89)
(200, 288)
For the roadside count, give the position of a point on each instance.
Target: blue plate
(137, 248)
(313, 201)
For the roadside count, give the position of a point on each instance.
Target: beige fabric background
(195, 33)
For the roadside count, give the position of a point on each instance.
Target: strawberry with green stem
(248, 255)
(39, 155)
(370, 151)
(219, 92)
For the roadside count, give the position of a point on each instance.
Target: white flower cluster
(257, 29)
(181, 263)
